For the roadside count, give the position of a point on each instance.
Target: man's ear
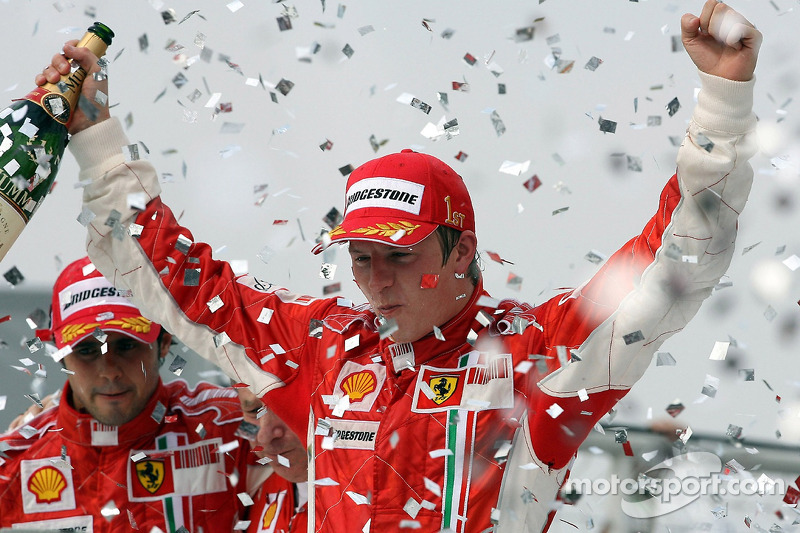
(166, 342)
(464, 250)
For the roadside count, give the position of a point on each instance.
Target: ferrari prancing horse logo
(443, 387)
(150, 474)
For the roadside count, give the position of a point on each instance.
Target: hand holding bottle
(94, 90)
(35, 129)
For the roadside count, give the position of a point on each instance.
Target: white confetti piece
(359, 499)
(720, 351)
(555, 410)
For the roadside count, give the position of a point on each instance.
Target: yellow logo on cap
(386, 229)
(138, 324)
(72, 331)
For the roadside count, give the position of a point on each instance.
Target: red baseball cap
(83, 301)
(400, 199)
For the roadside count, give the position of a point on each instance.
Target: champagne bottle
(33, 135)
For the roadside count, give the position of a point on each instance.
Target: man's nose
(268, 430)
(109, 365)
(381, 275)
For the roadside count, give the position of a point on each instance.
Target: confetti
(634, 337)
(593, 63)
(315, 328)
(499, 126)
(607, 126)
(554, 410)
(359, 499)
(214, 304)
(327, 271)
(673, 106)
(422, 106)
(595, 257)
(109, 510)
(720, 351)
(451, 128)
(351, 343)
(514, 282)
(386, 327)
(177, 365)
(429, 281)
(332, 288)
(792, 263)
(412, 507)
(710, 386)
(222, 339)
(494, 256)
(14, 276)
(704, 142)
(513, 168)
(665, 359)
(734, 432)
(533, 183)
(234, 6)
(675, 408)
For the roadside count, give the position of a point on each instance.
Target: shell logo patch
(362, 383)
(359, 385)
(273, 517)
(150, 474)
(47, 484)
(443, 388)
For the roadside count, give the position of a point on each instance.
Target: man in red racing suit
(122, 450)
(435, 406)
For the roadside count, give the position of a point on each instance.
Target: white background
(551, 120)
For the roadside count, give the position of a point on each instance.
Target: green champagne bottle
(33, 135)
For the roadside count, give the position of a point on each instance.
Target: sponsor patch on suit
(355, 434)
(362, 383)
(484, 383)
(47, 485)
(272, 511)
(184, 471)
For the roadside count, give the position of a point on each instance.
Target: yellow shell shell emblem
(47, 484)
(359, 385)
(269, 515)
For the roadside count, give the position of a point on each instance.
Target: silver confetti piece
(159, 410)
(633, 337)
(177, 365)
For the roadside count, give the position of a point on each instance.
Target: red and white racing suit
(169, 468)
(472, 433)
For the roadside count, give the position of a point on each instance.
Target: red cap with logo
(400, 199)
(83, 301)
